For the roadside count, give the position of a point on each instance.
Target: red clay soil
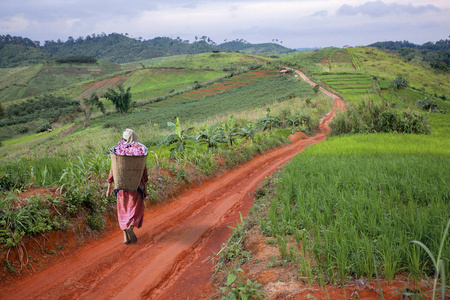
(170, 259)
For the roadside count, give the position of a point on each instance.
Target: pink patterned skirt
(130, 209)
(130, 205)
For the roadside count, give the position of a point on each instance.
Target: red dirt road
(169, 261)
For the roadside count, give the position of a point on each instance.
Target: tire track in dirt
(176, 238)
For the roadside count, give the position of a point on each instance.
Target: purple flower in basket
(133, 149)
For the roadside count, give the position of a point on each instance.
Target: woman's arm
(108, 192)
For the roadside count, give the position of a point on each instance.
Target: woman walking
(130, 204)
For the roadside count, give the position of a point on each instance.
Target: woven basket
(127, 171)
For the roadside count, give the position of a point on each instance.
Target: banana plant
(228, 132)
(178, 139)
(210, 136)
(269, 122)
(248, 131)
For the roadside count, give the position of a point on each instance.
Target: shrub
(31, 216)
(44, 126)
(369, 117)
(400, 82)
(430, 105)
(22, 129)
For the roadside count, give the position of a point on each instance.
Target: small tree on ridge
(120, 97)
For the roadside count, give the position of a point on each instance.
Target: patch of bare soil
(281, 280)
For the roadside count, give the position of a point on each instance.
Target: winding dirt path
(170, 259)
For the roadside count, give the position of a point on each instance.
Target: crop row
(354, 59)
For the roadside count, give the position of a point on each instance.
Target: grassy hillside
(367, 73)
(23, 82)
(319, 61)
(146, 83)
(205, 61)
(376, 62)
(175, 75)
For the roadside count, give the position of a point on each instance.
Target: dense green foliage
(27, 217)
(370, 117)
(400, 82)
(114, 47)
(17, 51)
(46, 107)
(120, 97)
(76, 59)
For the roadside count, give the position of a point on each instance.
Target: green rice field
(353, 203)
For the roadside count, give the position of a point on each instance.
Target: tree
(2, 111)
(88, 103)
(120, 97)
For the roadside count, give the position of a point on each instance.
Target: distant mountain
(118, 48)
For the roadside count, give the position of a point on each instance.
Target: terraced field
(352, 86)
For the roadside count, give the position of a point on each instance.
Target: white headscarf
(129, 136)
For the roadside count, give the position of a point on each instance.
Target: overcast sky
(297, 23)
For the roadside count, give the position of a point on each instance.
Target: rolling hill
(118, 48)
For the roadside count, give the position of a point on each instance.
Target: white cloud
(379, 8)
(14, 24)
(320, 13)
(299, 23)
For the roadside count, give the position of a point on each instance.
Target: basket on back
(127, 170)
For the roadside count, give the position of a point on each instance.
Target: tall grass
(43, 171)
(363, 198)
(368, 117)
